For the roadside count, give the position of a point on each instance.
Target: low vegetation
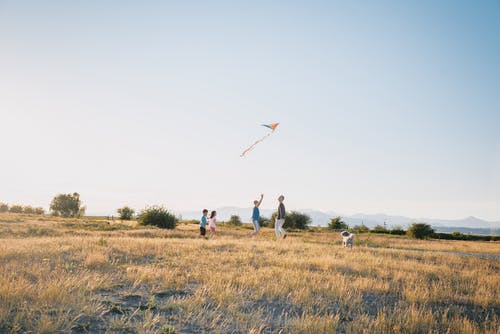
(125, 213)
(157, 216)
(235, 220)
(68, 275)
(67, 205)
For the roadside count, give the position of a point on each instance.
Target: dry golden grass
(73, 276)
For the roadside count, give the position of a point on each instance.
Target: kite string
(254, 144)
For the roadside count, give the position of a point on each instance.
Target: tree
(67, 205)
(294, 219)
(337, 224)
(234, 220)
(361, 229)
(297, 220)
(264, 221)
(420, 231)
(16, 209)
(125, 213)
(29, 210)
(379, 229)
(157, 216)
(39, 211)
(4, 207)
(398, 230)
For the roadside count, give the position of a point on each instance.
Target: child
(203, 224)
(256, 215)
(280, 218)
(211, 223)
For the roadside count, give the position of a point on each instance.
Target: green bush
(67, 205)
(379, 229)
(264, 221)
(39, 211)
(272, 220)
(420, 231)
(461, 236)
(157, 216)
(360, 229)
(397, 231)
(297, 220)
(234, 220)
(29, 210)
(337, 224)
(16, 209)
(293, 220)
(125, 213)
(4, 207)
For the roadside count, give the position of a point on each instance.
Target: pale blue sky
(385, 106)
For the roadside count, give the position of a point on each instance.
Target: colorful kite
(271, 126)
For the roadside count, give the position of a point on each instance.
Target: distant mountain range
(320, 218)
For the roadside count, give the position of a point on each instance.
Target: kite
(271, 126)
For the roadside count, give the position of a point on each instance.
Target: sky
(387, 106)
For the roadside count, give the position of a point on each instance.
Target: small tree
(297, 220)
(361, 228)
(264, 221)
(125, 213)
(337, 224)
(420, 231)
(272, 220)
(157, 216)
(398, 230)
(67, 205)
(379, 229)
(235, 220)
(16, 209)
(4, 207)
(29, 210)
(39, 211)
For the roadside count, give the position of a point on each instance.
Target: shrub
(361, 229)
(379, 229)
(16, 209)
(29, 210)
(125, 213)
(39, 211)
(4, 207)
(157, 216)
(420, 231)
(234, 220)
(297, 220)
(294, 220)
(67, 205)
(398, 230)
(272, 220)
(264, 221)
(337, 224)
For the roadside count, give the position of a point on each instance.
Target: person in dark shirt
(280, 218)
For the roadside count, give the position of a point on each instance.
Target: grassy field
(77, 275)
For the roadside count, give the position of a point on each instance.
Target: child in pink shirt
(211, 223)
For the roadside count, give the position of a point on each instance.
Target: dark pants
(203, 231)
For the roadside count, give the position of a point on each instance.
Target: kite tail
(254, 144)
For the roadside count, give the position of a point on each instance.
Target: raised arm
(261, 197)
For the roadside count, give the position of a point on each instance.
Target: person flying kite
(271, 126)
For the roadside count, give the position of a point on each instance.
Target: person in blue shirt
(256, 215)
(203, 224)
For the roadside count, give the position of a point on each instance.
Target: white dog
(347, 239)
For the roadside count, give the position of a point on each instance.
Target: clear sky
(387, 106)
